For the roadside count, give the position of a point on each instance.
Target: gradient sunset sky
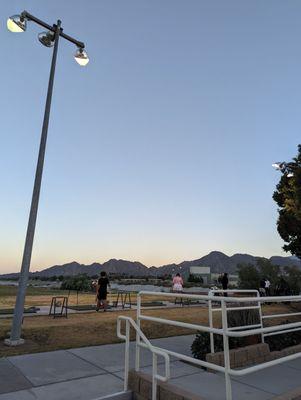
(160, 150)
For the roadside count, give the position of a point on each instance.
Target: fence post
(211, 322)
(226, 351)
(260, 316)
(154, 377)
(137, 361)
(127, 355)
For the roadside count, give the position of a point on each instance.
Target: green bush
(195, 279)
(243, 317)
(280, 342)
(79, 283)
(201, 344)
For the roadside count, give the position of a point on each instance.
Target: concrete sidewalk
(91, 372)
(80, 374)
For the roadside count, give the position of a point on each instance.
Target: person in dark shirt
(102, 291)
(262, 290)
(224, 282)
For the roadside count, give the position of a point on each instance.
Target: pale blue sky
(159, 150)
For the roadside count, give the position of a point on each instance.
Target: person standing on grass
(262, 290)
(102, 291)
(177, 283)
(224, 282)
(267, 287)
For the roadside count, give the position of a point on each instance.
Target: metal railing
(155, 351)
(225, 331)
(275, 316)
(212, 294)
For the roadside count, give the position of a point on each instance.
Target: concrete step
(118, 396)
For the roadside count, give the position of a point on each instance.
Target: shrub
(243, 317)
(201, 344)
(280, 342)
(195, 279)
(79, 283)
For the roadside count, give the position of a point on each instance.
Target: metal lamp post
(18, 23)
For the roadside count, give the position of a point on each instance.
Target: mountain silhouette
(216, 260)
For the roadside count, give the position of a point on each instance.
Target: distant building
(200, 272)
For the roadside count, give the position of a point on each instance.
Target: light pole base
(12, 343)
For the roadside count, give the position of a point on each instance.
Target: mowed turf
(37, 296)
(43, 333)
(41, 296)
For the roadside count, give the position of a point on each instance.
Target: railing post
(226, 351)
(137, 360)
(211, 322)
(127, 355)
(154, 377)
(260, 316)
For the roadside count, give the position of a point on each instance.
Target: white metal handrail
(224, 331)
(280, 315)
(211, 309)
(264, 299)
(225, 369)
(284, 328)
(275, 299)
(194, 327)
(146, 343)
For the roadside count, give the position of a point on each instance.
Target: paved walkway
(91, 372)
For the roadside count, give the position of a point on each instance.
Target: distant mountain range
(218, 261)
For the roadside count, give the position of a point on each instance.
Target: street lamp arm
(72, 40)
(38, 21)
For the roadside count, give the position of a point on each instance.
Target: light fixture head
(277, 165)
(81, 57)
(46, 38)
(16, 23)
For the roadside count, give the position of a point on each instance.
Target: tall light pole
(18, 23)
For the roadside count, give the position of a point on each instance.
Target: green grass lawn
(35, 296)
(6, 290)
